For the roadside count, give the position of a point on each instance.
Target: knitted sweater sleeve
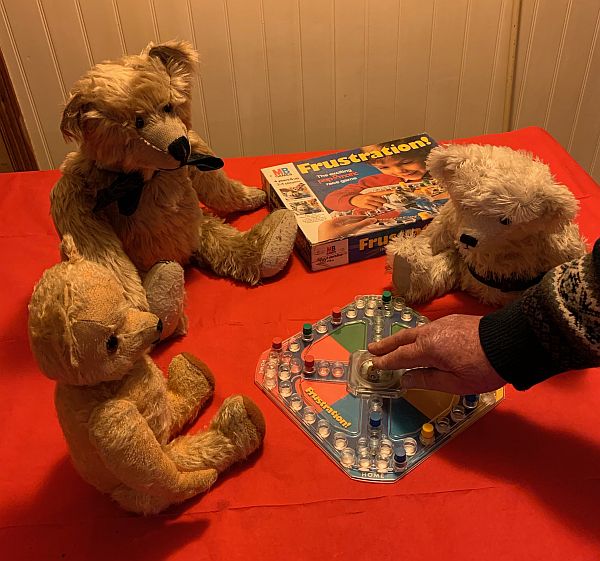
(553, 327)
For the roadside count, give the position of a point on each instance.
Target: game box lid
(350, 204)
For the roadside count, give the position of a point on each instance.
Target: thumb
(430, 379)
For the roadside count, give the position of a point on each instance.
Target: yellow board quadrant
(430, 403)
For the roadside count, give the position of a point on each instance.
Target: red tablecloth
(522, 483)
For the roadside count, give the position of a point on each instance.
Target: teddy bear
(121, 419)
(129, 195)
(506, 223)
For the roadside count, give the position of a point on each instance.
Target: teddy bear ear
(442, 161)
(175, 55)
(559, 203)
(70, 124)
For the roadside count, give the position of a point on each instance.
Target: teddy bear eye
(139, 122)
(168, 108)
(505, 221)
(112, 344)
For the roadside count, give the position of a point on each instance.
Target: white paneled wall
(281, 76)
(558, 75)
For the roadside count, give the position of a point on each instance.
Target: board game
(323, 380)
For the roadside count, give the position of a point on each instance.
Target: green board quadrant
(352, 336)
(397, 327)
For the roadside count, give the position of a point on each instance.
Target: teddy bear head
(135, 113)
(500, 195)
(82, 330)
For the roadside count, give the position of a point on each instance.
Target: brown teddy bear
(506, 224)
(119, 415)
(129, 194)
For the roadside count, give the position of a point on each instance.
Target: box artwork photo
(350, 204)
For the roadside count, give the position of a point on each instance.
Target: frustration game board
(323, 380)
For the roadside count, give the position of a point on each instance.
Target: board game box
(349, 205)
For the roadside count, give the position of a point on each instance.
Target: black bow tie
(126, 189)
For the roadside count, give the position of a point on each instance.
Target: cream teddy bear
(120, 417)
(506, 224)
(129, 195)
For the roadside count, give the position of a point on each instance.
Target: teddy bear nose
(469, 241)
(180, 149)
(159, 326)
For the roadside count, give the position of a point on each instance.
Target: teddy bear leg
(275, 237)
(190, 484)
(417, 274)
(260, 252)
(236, 431)
(138, 502)
(189, 387)
(164, 285)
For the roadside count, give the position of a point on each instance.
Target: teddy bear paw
(282, 227)
(401, 273)
(165, 291)
(253, 198)
(242, 422)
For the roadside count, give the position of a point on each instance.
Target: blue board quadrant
(404, 418)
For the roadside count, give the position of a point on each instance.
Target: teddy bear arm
(129, 449)
(190, 386)
(441, 230)
(95, 240)
(219, 192)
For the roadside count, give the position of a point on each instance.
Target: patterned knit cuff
(513, 349)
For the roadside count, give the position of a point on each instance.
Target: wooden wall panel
(100, 26)
(481, 63)
(446, 66)
(544, 48)
(570, 69)
(351, 20)
(136, 23)
(210, 27)
(585, 137)
(247, 45)
(413, 66)
(293, 75)
(41, 74)
(284, 74)
(173, 21)
(558, 74)
(318, 73)
(380, 80)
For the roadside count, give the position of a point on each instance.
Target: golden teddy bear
(120, 417)
(506, 224)
(129, 194)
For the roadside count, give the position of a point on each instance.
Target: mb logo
(280, 172)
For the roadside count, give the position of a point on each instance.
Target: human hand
(446, 355)
(343, 225)
(370, 201)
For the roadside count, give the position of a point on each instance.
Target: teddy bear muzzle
(180, 149)
(143, 326)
